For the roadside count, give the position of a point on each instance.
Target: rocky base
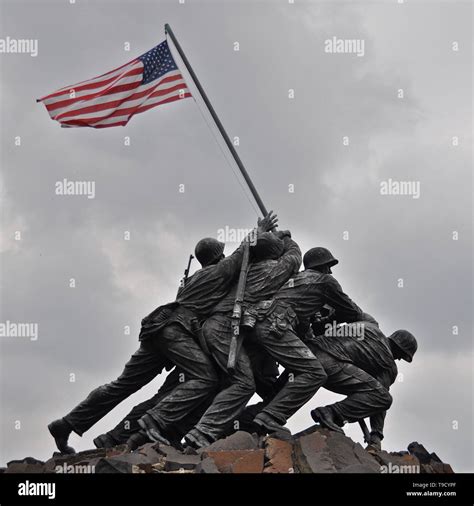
(315, 450)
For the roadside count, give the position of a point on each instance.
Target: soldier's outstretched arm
(346, 309)
(289, 262)
(366, 317)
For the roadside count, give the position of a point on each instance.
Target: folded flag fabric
(113, 98)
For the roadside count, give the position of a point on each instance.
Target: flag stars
(157, 62)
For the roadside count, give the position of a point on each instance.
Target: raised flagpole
(237, 159)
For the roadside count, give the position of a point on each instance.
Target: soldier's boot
(105, 441)
(61, 430)
(196, 439)
(375, 444)
(325, 417)
(152, 429)
(269, 424)
(138, 439)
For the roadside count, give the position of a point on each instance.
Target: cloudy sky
(380, 239)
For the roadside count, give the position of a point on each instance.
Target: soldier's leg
(231, 400)
(365, 395)
(306, 373)
(265, 369)
(198, 379)
(181, 428)
(129, 424)
(143, 366)
(267, 383)
(176, 432)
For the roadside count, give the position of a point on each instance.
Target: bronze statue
(363, 368)
(167, 339)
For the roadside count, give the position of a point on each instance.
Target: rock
(237, 461)
(436, 467)
(319, 450)
(59, 459)
(430, 462)
(83, 467)
(190, 451)
(117, 450)
(67, 463)
(105, 466)
(279, 456)
(181, 461)
(207, 466)
(171, 458)
(420, 452)
(151, 452)
(26, 465)
(441, 468)
(26, 460)
(435, 457)
(397, 462)
(366, 459)
(159, 467)
(341, 449)
(83, 462)
(357, 468)
(240, 440)
(165, 450)
(252, 462)
(314, 450)
(20, 467)
(312, 453)
(309, 430)
(123, 464)
(85, 455)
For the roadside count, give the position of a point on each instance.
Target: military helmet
(267, 246)
(208, 250)
(406, 342)
(316, 257)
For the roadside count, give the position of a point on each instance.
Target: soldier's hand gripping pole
(236, 340)
(268, 222)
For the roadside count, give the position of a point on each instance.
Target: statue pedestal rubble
(315, 450)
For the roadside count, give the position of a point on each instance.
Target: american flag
(113, 98)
